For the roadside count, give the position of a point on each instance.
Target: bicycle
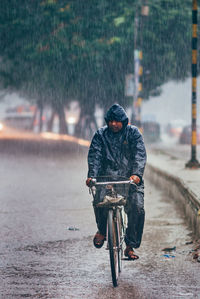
(116, 221)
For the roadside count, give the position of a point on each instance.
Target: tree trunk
(51, 120)
(94, 121)
(33, 119)
(40, 118)
(78, 126)
(86, 126)
(62, 121)
(41, 108)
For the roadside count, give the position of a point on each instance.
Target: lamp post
(193, 163)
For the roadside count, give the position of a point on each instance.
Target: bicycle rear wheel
(113, 248)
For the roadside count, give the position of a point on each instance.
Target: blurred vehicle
(71, 122)
(175, 127)
(151, 131)
(185, 137)
(72, 115)
(20, 117)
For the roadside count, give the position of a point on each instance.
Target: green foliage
(167, 43)
(57, 49)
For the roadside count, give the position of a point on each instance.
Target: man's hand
(88, 182)
(135, 179)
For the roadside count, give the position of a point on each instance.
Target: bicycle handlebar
(95, 183)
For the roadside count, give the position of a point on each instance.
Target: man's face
(115, 126)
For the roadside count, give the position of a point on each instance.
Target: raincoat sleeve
(138, 153)
(95, 156)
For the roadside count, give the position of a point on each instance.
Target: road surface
(42, 196)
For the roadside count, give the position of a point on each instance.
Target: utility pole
(193, 163)
(136, 66)
(138, 56)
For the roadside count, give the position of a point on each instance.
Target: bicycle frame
(116, 223)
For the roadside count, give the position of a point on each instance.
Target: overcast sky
(174, 103)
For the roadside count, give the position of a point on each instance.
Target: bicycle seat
(110, 201)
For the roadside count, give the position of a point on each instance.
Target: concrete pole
(140, 89)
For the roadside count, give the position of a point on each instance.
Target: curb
(186, 200)
(40, 145)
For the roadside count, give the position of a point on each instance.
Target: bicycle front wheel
(113, 248)
(119, 234)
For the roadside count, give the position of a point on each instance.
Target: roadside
(175, 166)
(167, 170)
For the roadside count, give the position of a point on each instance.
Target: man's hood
(117, 112)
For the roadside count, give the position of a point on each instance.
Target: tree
(56, 50)
(167, 43)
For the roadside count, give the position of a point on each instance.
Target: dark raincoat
(120, 154)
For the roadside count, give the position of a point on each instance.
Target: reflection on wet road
(41, 197)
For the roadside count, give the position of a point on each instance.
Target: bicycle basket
(115, 191)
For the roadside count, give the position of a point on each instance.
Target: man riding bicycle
(118, 150)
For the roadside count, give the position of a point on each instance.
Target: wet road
(41, 197)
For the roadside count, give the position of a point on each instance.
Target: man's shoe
(98, 240)
(129, 253)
